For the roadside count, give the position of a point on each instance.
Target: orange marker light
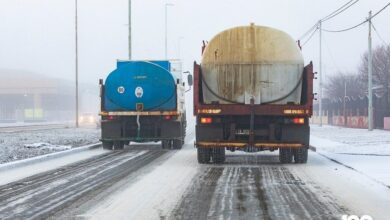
(299, 121)
(206, 120)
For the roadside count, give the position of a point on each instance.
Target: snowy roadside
(27, 144)
(367, 152)
(21, 124)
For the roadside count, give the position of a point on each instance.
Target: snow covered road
(145, 182)
(248, 186)
(255, 187)
(42, 195)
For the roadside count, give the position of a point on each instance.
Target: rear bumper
(150, 128)
(140, 113)
(141, 139)
(262, 145)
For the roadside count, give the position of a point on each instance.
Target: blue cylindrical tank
(143, 83)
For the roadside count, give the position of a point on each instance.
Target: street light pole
(166, 29)
(77, 66)
(370, 110)
(320, 75)
(130, 30)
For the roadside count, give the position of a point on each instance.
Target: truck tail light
(110, 117)
(299, 121)
(167, 117)
(206, 120)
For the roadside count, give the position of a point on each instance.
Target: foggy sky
(38, 35)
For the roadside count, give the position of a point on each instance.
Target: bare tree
(380, 68)
(336, 85)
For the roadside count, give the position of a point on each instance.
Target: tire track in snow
(198, 196)
(45, 194)
(255, 187)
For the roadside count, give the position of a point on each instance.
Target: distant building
(28, 97)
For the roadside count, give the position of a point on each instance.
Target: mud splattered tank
(252, 62)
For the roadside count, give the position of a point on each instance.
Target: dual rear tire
(208, 155)
(172, 144)
(107, 145)
(113, 145)
(300, 155)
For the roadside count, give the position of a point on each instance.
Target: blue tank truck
(142, 101)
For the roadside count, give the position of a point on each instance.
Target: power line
(346, 29)
(340, 10)
(379, 36)
(381, 10)
(361, 23)
(308, 31)
(311, 36)
(331, 56)
(331, 14)
(328, 17)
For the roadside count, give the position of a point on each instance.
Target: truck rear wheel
(204, 155)
(300, 155)
(285, 155)
(166, 144)
(107, 145)
(218, 155)
(119, 145)
(177, 144)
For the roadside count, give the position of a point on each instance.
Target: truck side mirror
(189, 79)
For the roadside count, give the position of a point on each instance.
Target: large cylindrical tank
(139, 82)
(252, 62)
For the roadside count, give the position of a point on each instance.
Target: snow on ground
(17, 124)
(360, 195)
(350, 140)
(48, 146)
(18, 173)
(27, 144)
(368, 152)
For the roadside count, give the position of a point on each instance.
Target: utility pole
(166, 29)
(345, 100)
(77, 67)
(130, 30)
(320, 73)
(370, 109)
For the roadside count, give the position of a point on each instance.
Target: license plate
(242, 132)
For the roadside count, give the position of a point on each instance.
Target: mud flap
(209, 133)
(111, 129)
(171, 129)
(296, 133)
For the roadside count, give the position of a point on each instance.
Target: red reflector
(300, 121)
(167, 117)
(110, 117)
(206, 120)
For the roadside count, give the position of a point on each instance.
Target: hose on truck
(235, 102)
